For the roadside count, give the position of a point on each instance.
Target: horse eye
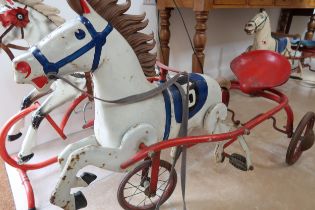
(80, 34)
(20, 16)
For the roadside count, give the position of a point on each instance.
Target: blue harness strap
(97, 42)
(168, 115)
(201, 90)
(281, 44)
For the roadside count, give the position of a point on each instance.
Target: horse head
(64, 51)
(257, 23)
(14, 19)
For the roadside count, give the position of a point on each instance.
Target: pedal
(239, 162)
(88, 178)
(80, 200)
(14, 137)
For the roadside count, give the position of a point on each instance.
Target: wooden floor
(6, 199)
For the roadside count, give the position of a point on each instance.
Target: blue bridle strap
(97, 42)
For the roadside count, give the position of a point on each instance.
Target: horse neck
(38, 27)
(263, 36)
(120, 74)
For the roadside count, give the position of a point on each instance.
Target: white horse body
(119, 128)
(39, 26)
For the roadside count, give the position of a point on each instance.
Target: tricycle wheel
(302, 139)
(133, 192)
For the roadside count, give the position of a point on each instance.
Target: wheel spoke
(160, 188)
(127, 188)
(163, 172)
(151, 200)
(133, 194)
(142, 201)
(133, 185)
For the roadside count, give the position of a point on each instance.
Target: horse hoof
(14, 137)
(88, 177)
(80, 200)
(24, 159)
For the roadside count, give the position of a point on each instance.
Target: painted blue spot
(80, 34)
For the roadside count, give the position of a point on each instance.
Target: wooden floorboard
(6, 199)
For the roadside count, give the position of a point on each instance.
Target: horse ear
(262, 10)
(79, 6)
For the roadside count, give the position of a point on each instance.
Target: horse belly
(113, 121)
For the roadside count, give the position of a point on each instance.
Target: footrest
(238, 161)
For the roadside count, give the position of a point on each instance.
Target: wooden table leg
(284, 22)
(200, 40)
(165, 35)
(310, 28)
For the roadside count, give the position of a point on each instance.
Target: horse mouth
(249, 31)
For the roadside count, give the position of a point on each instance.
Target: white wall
(226, 40)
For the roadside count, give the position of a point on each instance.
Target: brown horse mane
(129, 26)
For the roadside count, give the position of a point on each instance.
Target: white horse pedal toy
(107, 41)
(260, 27)
(32, 20)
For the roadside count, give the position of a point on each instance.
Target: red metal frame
(155, 172)
(270, 94)
(23, 169)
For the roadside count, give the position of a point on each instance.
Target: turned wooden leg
(165, 35)
(310, 28)
(200, 40)
(284, 22)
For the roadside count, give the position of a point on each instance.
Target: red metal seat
(260, 70)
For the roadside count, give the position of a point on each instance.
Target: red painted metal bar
(3, 136)
(277, 97)
(74, 104)
(28, 189)
(155, 173)
(274, 95)
(56, 127)
(88, 124)
(227, 144)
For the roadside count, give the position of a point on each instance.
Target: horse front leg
(62, 94)
(15, 132)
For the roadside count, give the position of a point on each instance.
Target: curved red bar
(271, 94)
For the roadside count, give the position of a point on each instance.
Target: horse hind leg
(88, 155)
(102, 157)
(214, 118)
(86, 178)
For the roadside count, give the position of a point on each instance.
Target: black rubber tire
(146, 165)
(305, 127)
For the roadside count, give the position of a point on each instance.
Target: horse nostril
(24, 68)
